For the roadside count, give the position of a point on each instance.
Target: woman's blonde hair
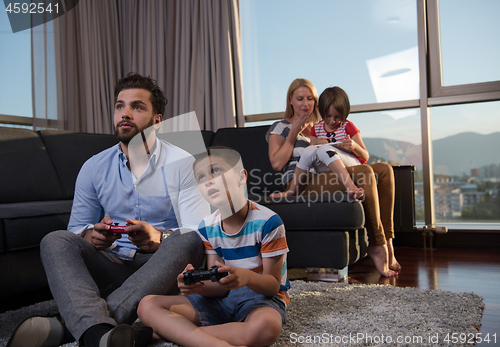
(297, 83)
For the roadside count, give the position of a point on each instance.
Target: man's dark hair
(136, 81)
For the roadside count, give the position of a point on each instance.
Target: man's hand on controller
(143, 235)
(96, 236)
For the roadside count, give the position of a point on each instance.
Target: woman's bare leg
(393, 263)
(380, 257)
(377, 249)
(386, 192)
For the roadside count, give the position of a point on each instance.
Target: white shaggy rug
(341, 314)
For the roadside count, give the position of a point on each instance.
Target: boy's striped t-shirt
(262, 235)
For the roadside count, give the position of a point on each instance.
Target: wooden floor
(451, 269)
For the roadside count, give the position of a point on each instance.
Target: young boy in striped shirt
(246, 240)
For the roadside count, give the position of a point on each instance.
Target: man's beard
(126, 135)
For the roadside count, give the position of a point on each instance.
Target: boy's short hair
(229, 155)
(337, 97)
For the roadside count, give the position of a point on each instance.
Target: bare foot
(282, 194)
(380, 258)
(393, 263)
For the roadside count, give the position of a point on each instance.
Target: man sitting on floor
(97, 275)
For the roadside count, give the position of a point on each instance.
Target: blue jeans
(234, 307)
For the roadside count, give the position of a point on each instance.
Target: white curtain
(208, 65)
(191, 47)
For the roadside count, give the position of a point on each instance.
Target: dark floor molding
(452, 239)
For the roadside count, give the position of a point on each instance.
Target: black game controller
(116, 229)
(201, 274)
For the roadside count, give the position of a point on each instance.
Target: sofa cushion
(325, 249)
(69, 150)
(316, 212)
(321, 230)
(27, 172)
(35, 208)
(23, 225)
(252, 145)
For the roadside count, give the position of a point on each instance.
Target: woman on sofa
(287, 139)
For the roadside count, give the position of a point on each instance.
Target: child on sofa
(242, 238)
(334, 145)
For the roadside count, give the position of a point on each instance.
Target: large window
(15, 70)
(372, 55)
(469, 33)
(465, 136)
(423, 78)
(466, 139)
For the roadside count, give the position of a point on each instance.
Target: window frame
(447, 95)
(15, 120)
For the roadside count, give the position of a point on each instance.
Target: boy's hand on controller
(143, 235)
(237, 278)
(96, 237)
(187, 289)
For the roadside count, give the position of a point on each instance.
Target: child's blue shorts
(234, 307)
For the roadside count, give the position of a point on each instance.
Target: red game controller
(116, 229)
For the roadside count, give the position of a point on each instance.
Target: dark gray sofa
(38, 175)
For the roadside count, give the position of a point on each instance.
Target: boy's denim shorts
(234, 307)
